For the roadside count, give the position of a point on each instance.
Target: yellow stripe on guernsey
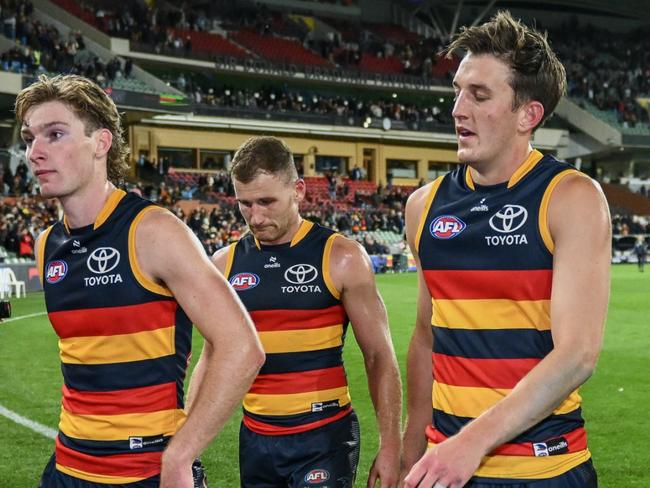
(492, 314)
(326, 267)
(119, 348)
(543, 208)
(230, 259)
(40, 254)
(120, 427)
(302, 339)
(529, 467)
(467, 401)
(135, 267)
(293, 403)
(423, 217)
(97, 478)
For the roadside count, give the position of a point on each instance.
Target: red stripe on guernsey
(140, 465)
(486, 373)
(273, 320)
(133, 400)
(577, 440)
(534, 284)
(114, 320)
(300, 382)
(269, 429)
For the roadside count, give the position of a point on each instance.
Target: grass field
(616, 398)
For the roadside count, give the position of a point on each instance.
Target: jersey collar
(303, 230)
(526, 167)
(106, 211)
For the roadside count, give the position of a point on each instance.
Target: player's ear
(531, 114)
(300, 188)
(104, 141)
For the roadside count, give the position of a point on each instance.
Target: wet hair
(537, 73)
(90, 103)
(263, 154)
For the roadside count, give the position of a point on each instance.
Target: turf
(615, 398)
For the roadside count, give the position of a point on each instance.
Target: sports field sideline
(616, 398)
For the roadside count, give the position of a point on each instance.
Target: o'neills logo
(551, 447)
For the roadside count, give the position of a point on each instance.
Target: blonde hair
(90, 103)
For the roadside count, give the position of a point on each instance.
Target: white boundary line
(12, 319)
(30, 424)
(19, 419)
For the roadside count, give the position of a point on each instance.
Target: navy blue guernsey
(301, 323)
(486, 256)
(124, 347)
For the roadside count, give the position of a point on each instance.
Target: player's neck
(83, 207)
(501, 170)
(288, 236)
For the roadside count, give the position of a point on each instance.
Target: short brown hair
(263, 154)
(90, 103)
(537, 73)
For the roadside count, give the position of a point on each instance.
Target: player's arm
(170, 254)
(581, 230)
(419, 371)
(351, 272)
(219, 260)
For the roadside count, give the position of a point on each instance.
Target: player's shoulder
(157, 219)
(578, 189)
(345, 250)
(417, 200)
(220, 256)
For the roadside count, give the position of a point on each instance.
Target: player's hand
(385, 468)
(175, 472)
(450, 464)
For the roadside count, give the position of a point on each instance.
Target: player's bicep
(581, 230)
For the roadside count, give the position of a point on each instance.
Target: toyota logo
(103, 259)
(509, 218)
(299, 274)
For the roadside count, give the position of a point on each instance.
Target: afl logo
(300, 274)
(446, 227)
(509, 218)
(316, 476)
(103, 259)
(56, 271)
(244, 281)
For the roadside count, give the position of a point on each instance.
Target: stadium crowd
(216, 223)
(608, 72)
(42, 48)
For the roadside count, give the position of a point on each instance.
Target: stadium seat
(7, 281)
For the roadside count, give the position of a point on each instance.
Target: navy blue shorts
(327, 456)
(53, 478)
(582, 476)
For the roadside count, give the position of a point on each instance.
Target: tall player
(513, 252)
(301, 284)
(124, 281)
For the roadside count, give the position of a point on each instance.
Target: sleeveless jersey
(301, 323)
(124, 346)
(486, 256)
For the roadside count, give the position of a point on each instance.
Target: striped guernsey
(124, 346)
(487, 259)
(301, 322)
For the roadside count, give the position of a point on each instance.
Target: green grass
(616, 398)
